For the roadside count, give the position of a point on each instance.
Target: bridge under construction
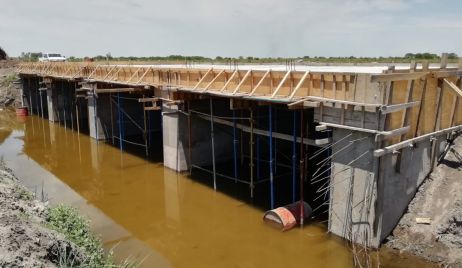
(353, 142)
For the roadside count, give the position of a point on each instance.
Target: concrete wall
(352, 212)
(400, 182)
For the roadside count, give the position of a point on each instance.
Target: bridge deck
(410, 101)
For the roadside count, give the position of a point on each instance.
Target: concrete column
(52, 103)
(175, 151)
(94, 121)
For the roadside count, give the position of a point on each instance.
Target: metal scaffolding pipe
(294, 155)
(302, 168)
(251, 153)
(271, 169)
(235, 142)
(212, 134)
(258, 148)
(119, 113)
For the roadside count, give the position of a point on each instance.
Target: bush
(68, 221)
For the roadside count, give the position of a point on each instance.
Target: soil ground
(440, 199)
(25, 239)
(10, 94)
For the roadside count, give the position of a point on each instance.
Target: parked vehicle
(52, 57)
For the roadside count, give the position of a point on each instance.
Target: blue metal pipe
(235, 141)
(271, 169)
(119, 112)
(294, 156)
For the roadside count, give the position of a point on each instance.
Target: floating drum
(285, 218)
(21, 111)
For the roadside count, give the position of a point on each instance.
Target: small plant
(8, 80)
(68, 221)
(24, 194)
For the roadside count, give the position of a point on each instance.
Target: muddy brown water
(147, 212)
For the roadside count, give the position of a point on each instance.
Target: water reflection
(148, 210)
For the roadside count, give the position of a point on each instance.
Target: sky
(231, 28)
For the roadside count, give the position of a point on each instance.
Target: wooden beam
(260, 82)
(229, 80)
(454, 88)
(398, 107)
(299, 85)
(153, 108)
(281, 84)
(444, 61)
(304, 105)
(397, 76)
(410, 142)
(148, 99)
(115, 90)
(213, 80)
(386, 135)
(203, 78)
(242, 81)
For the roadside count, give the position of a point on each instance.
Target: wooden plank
(397, 76)
(153, 108)
(451, 85)
(281, 84)
(300, 83)
(391, 134)
(229, 81)
(148, 99)
(439, 98)
(203, 78)
(408, 99)
(115, 90)
(242, 81)
(213, 80)
(411, 142)
(444, 61)
(260, 82)
(398, 107)
(304, 105)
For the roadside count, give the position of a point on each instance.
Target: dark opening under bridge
(354, 142)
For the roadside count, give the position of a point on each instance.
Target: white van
(51, 57)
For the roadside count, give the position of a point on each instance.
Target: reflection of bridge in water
(367, 136)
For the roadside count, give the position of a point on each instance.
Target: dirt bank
(25, 241)
(10, 94)
(440, 199)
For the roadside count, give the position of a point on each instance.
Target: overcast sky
(259, 28)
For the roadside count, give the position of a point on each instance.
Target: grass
(67, 220)
(8, 80)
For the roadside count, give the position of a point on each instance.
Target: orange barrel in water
(285, 218)
(21, 111)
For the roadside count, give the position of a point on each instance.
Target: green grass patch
(8, 80)
(67, 220)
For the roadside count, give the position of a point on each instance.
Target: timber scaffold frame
(409, 105)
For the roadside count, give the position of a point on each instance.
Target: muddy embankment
(10, 93)
(25, 239)
(437, 207)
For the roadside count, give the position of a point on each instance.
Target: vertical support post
(251, 153)
(275, 165)
(41, 102)
(119, 112)
(235, 142)
(189, 138)
(294, 155)
(145, 133)
(65, 104)
(302, 167)
(77, 115)
(271, 168)
(112, 118)
(213, 146)
(258, 148)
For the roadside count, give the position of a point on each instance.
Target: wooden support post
(251, 153)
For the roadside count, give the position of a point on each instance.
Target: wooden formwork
(407, 104)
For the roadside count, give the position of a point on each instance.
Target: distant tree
(409, 55)
(3, 55)
(219, 58)
(453, 56)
